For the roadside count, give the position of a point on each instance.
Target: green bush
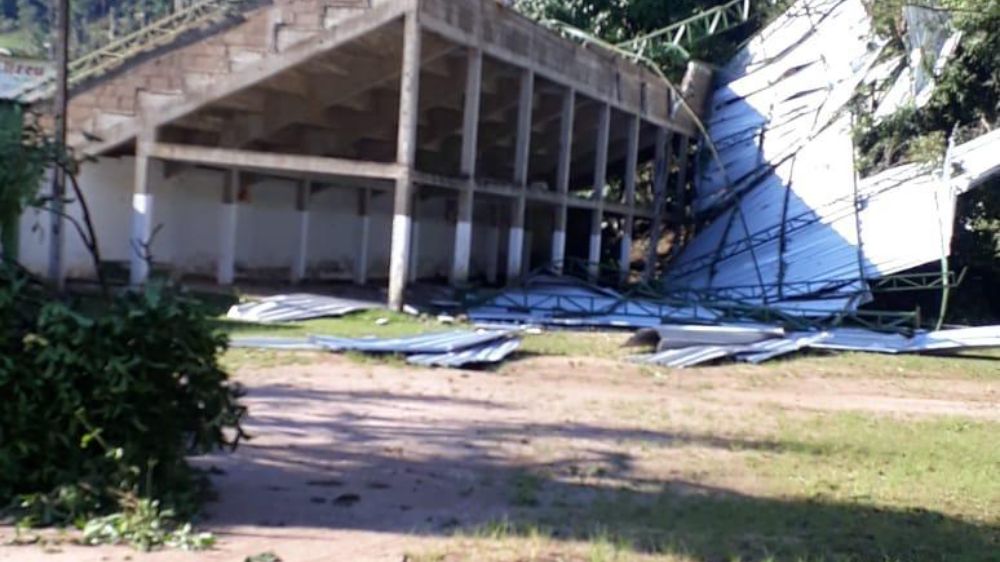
(102, 402)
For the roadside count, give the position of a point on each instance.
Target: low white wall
(187, 208)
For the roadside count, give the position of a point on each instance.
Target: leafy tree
(616, 21)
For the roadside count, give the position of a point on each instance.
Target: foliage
(91, 21)
(104, 405)
(145, 527)
(967, 94)
(25, 152)
(620, 20)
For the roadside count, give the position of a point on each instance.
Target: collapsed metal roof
(790, 215)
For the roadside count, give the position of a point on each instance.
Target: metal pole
(61, 47)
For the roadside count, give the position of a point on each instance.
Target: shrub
(101, 406)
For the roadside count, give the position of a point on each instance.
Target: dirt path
(368, 462)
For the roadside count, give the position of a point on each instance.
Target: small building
(365, 140)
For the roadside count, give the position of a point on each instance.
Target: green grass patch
(946, 465)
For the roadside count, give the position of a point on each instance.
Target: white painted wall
(187, 209)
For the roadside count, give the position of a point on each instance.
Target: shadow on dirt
(385, 462)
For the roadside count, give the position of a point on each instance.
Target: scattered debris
(457, 348)
(837, 339)
(298, 306)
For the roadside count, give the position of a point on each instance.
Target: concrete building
(367, 140)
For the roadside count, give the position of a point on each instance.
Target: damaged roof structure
(792, 226)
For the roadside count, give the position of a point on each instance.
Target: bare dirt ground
(354, 461)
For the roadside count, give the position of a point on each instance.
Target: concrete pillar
(301, 260)
(562, 178)
(142, 215)
(364, 234)
(492, 246)
(406, 149)
(414, 266)
(522, 151)
(225, 265)
(631, 164)
(660, 174)
(600, 182)
(526, 253)
(466, 198)
(515, 240)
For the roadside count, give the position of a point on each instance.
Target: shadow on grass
(418, 463)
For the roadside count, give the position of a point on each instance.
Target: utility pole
(61, 48)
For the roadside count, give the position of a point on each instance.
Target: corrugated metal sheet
(444, 342)
(679, 336)
(294, 307)
(488, 353)
(839, 339)
(276, 343)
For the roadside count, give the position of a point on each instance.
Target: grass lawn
(781, 485)
(836, 488)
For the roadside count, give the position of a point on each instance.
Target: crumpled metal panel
(488, 353)
(770, 349)
(671, 336)
(294, 307)
(443, 342)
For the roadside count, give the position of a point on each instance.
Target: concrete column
(414, 266)
(660, 174)
(600, 181)
(526, 253)
(406, 148)
(631, 164)
(225, 265)
(522, 151)
(466, 198)
(142, 215)
(522, 147)
(562, 178)
(492, 246)
(364, 234)
(301, 260)
(515, 240)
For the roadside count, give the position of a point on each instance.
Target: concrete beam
(272, 162)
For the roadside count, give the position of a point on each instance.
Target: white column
(225, 267)
(364, 235)
(492, 246)
(631, 163)
(406, 150)
(562, 178)
(142, 215)
(600, 180)
(300, 262)
(466, 198)
(414, 266)
(515, 239)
